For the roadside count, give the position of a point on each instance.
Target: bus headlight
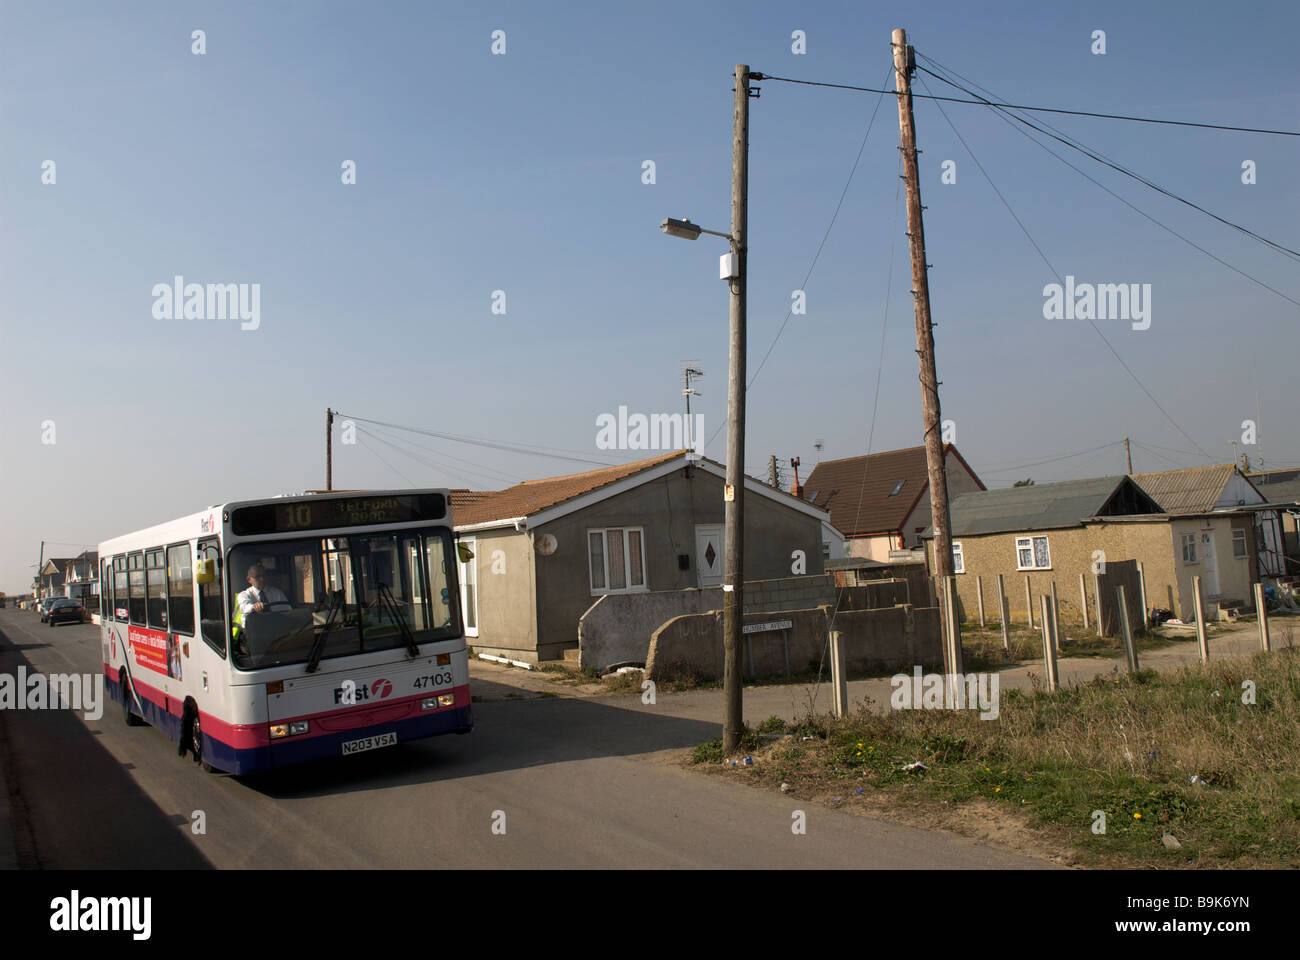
(297, 727)
(446, 699)
(279, 730)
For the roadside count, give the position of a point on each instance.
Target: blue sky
(523, 172)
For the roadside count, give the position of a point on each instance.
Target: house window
(898, 486)
(1189, 548)
(616, 559)
(1239, 543)
(1032, 554)
(958, 564)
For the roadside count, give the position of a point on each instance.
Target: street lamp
(687, 230)
(733, 270)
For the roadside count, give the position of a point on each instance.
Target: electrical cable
(1017, 106)
(1086, 151)
(1058, 276)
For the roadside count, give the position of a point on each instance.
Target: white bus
(268, 632)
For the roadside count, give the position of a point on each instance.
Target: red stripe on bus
(243, 736)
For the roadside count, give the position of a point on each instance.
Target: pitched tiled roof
(857, 490)
(1045, 506)
(1194, 490)
(532, 496)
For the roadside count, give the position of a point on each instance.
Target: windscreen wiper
(318, 648)
(386, 597)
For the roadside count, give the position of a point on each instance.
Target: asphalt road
(578, 783)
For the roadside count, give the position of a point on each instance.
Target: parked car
(65, 610)
(44, 606)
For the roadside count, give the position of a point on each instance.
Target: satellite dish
(546, 545)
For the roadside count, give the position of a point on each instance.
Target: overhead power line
(1076, 145)
(1011, 120)
(1056, 273)
(1019, 106)
(1036, 463)
(530, 449)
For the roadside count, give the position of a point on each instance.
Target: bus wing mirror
(205, 571)
(464, 552)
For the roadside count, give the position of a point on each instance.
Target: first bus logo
(349, 693)
(209, 525)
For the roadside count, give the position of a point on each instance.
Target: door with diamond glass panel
(709, 564)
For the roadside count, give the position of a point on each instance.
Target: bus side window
(121, 593)
(212, 616)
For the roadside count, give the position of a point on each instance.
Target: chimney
(797, 489)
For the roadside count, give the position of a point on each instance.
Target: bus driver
(258, 598)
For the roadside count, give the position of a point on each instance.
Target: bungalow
(1215, 488)
(81, 577)
(52, 576)
(536, 555)
(1053, 532)
(881, 502)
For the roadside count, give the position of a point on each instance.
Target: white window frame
(463, 566)
(643, 586)
(1190, 540)
(1029, 540)
(958, 561)
(1239, 536)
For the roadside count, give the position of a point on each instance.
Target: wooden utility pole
(329, 449)
(733, 586)
(771, 473)
(903, 66)
(1128, 456)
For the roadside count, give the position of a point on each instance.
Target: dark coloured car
(66, 611)
(43, 606)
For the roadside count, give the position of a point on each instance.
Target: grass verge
(1196, 767)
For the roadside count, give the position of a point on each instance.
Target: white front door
(709, 564)
(1210, 563)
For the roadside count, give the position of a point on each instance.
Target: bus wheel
(131, 719)
(196, 738)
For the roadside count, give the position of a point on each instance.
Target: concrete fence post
(1002, 615)
(1029, 602)
(1142, 588)
(1083, 601)
(1262, 612)
(1202, 637)
(979, 593)
(1096, 598)
(1130, 646)
(839, 683)
(1049, 646)
(1056, 621)
(954, 627)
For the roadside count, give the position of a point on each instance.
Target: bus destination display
(333, 512)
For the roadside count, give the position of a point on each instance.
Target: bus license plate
(369, 743)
